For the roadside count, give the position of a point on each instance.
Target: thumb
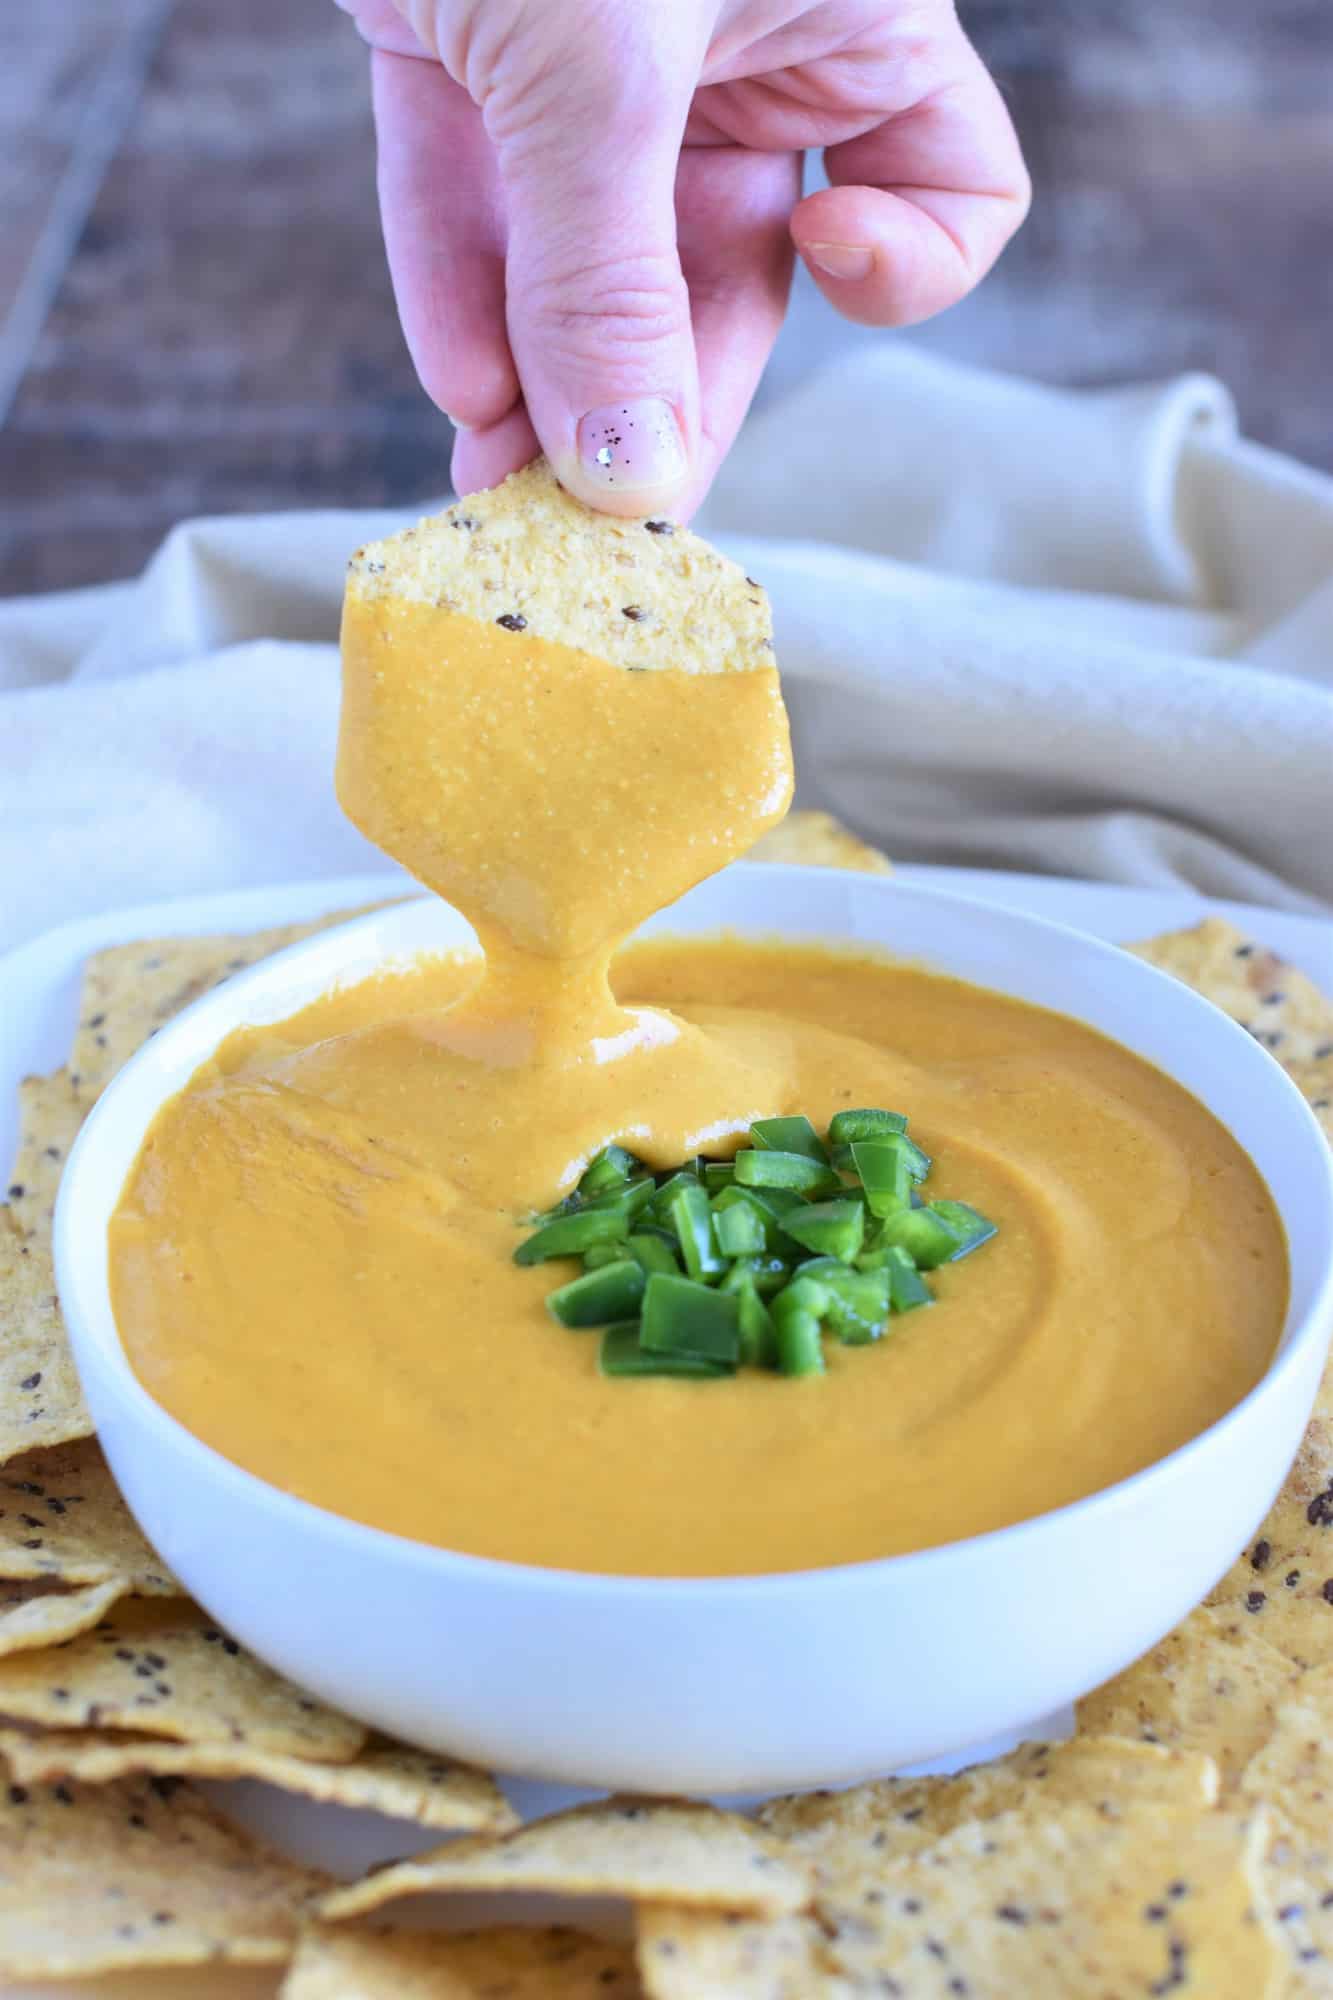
(588, 141)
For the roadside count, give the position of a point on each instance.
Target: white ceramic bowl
(721, 1685)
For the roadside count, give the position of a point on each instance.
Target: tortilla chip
(502, 1964)
(840, 1834)
(386, 1777)
(45, 1614)
(817, 840)
(1293, 1775)
(137, 1874)
(651, 1850)
(41, 1402)
(698, 1955)
(1280, 1006)
(1282, 1584)
(166, 1670)
(1068, 1903)
(1212, 1685)
(62, 1519)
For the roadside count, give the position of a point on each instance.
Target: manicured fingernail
(629, 446)
(841, 260)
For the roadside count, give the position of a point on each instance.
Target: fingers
(598, 312)
(920, 208)
(733, 208)
(444, 233)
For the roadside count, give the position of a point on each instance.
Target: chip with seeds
(1280, 1006)
(500, 1964)
(41, 1402)
(139, 1873)
(817, 840)
(840, 1834)
(1282, 1583)
(701, 1955)
(1064, 1901)
(646, 1849)
(386, 1777)
(165, 1669)
(39, 1614)
(1293, 1776)
(62, 1519)
(1212, 1685)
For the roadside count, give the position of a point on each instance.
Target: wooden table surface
(195, 317)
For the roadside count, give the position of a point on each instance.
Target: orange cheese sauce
(302, 1283)
(311, 1263)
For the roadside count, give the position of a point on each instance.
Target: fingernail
(625, 447)
(841, 260)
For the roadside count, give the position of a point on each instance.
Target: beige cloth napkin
(1088, 633)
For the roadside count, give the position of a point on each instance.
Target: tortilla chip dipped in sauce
(559, 722)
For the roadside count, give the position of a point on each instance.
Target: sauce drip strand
(558, 801)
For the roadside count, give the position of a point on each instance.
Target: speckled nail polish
(632, 446)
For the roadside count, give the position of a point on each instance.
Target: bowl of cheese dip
(676, 1585)
(540, 1318)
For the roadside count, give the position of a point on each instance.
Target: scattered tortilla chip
(841, 1834)
(167, 1670)
(1282, 1584)
(1065, 1902)
(1212, 1685)
(651, 1850)
(386, 1777)
(44, 1614)
(62, 1518)
(137, 1874)
(1293, 1775)
(501, 1964)
(818, 840)
(1281, 1007)
(699, 1955)
(41, 1402)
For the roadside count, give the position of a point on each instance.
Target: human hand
(590, 208)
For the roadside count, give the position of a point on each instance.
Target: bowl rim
(84, 1291)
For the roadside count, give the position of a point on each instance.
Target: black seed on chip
(513, 621)
(660, 527)
(634, 612)
(1255, 1600)
(1260, 1554)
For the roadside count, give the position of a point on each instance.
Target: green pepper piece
(907, 1288)
(680, 1316)
(652, 1252)
(610, 1168)
(758, 1336)
(788, 1135)
(884, 1170)
(829, 1228)
(967, 1222)
(794, 1171)
(845, 1126)
(571, 1235)
(739, 1229)
(858, 1309)
(718, 1174)
(691, 1216)
(622, 1355)
(766, 1274)
(659, 1207)
(599, 1297)
(601, 1254)
(924, 1235)
(796, 1330)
